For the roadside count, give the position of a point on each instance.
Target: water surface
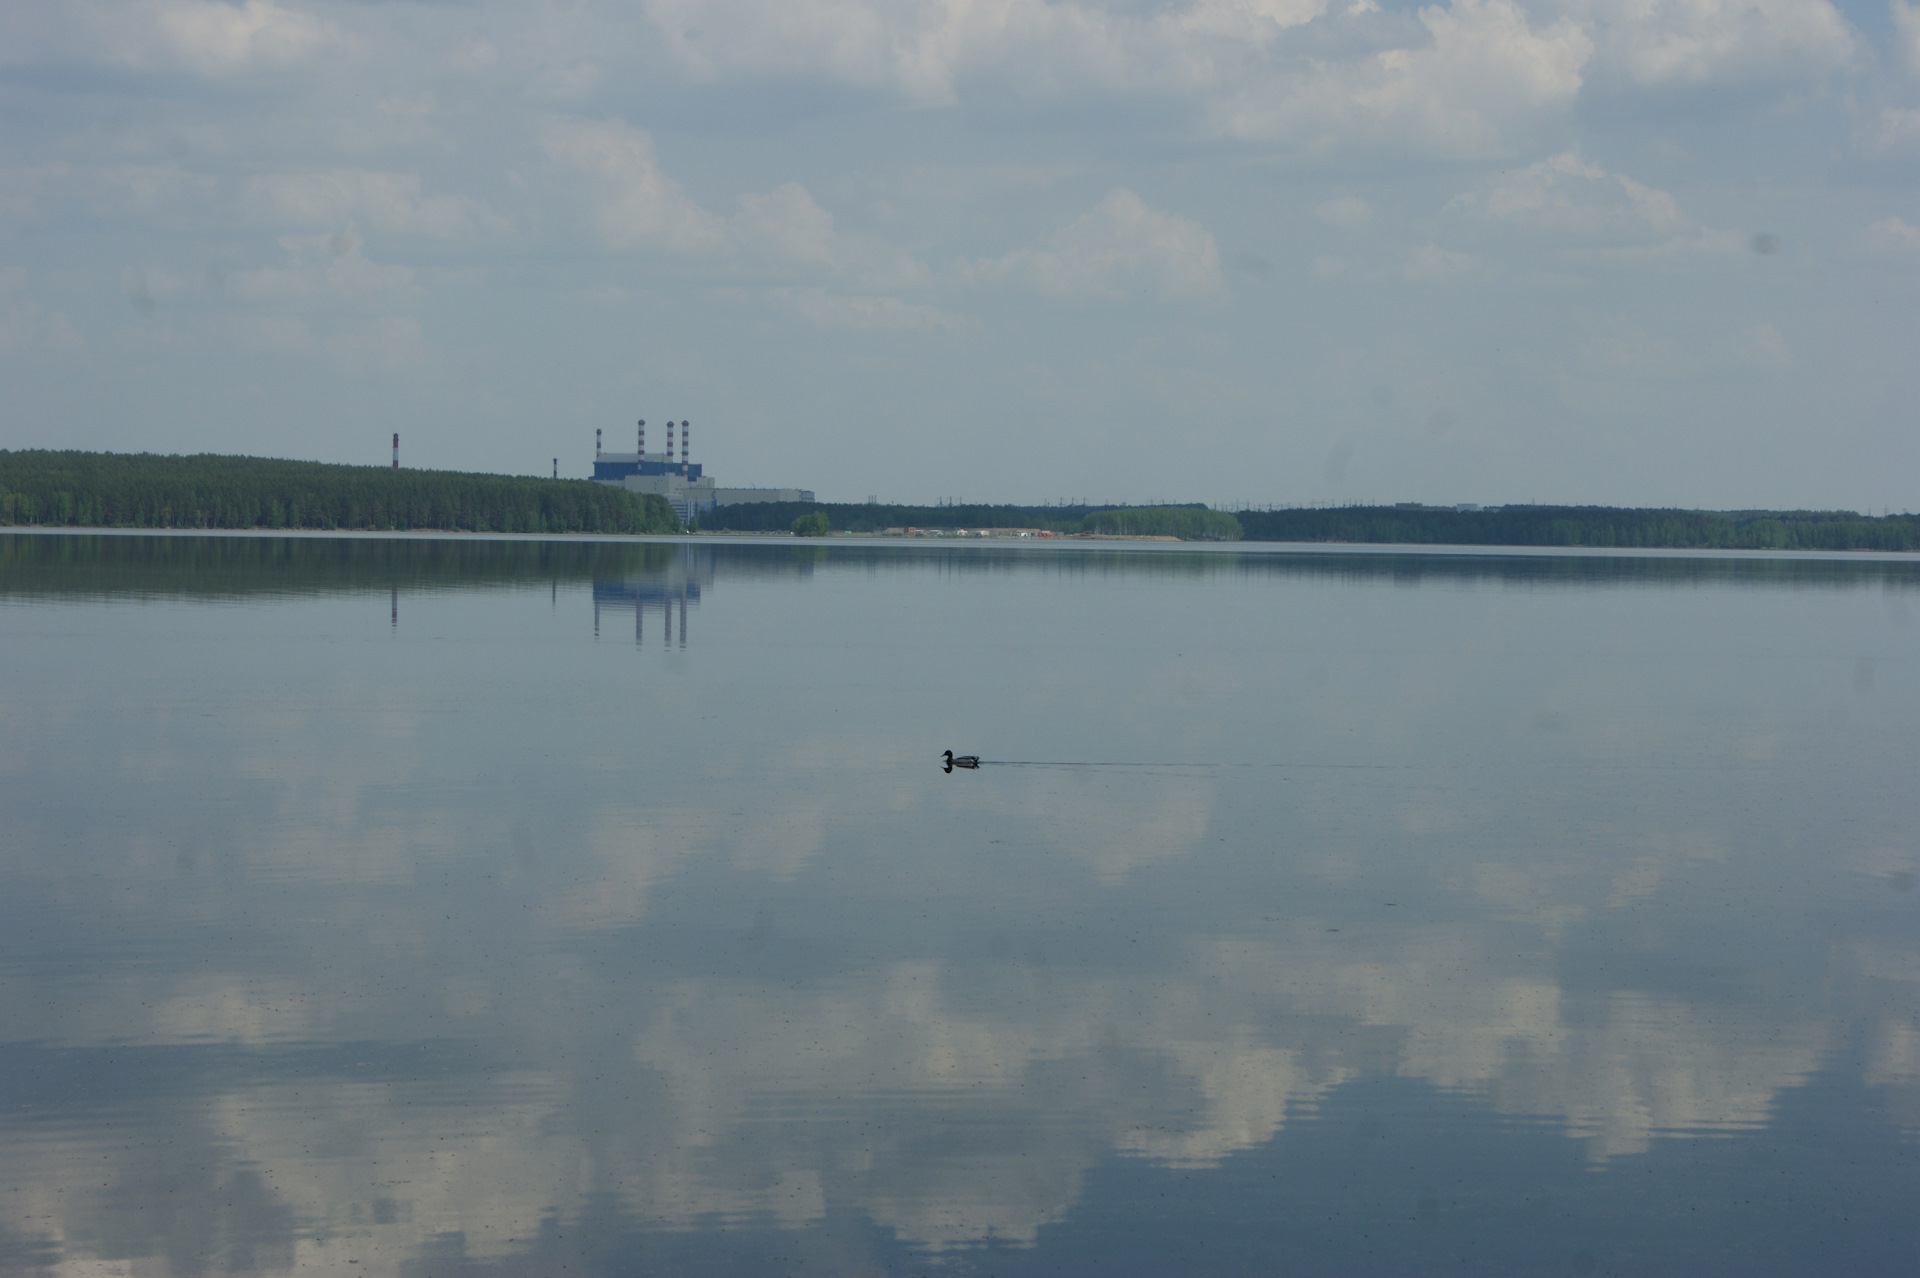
(510, 907)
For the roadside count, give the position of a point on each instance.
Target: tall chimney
(596, 443)
(684, 455)
(669, 444)
(396, 450)
(556, 468)
(643, 443)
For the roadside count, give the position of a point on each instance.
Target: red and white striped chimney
(643, 442)
(669, 444)
(396, 450)
(684, 456)
(596, 441)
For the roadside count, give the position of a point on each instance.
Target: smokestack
(643, 442)
(596, 443)
(684, 456)
(669, 444)
(556, 468)
(396, 450)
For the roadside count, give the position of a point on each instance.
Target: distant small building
(747, 496)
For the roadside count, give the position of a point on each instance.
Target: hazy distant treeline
(1604, 526)
(1190, 523)
(1601, 526)
(205, 490)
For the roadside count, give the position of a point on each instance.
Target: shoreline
(1104, 542)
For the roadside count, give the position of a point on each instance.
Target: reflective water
(469, 907)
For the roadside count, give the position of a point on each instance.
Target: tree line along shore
(1595, 526)
(147, 490)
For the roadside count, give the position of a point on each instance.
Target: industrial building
(683, 483)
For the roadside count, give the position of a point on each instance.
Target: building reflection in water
(665, 590)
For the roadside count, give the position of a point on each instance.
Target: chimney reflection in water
(672, 587)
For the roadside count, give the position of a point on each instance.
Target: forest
(149, 490)
(206, 490)
(1597, 526)
(1592, 526)
(1189, 523)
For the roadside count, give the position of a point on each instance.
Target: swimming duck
(961, 761)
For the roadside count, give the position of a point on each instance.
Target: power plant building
(689, 490)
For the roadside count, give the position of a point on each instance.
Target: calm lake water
(464, 907)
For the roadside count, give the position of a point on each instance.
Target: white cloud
(1348, 211)
(789, 223)
(1599, 216)
(388, 202)
(473, 53)
(641, 206)
(207, 37)
(1691, 43)
(1431, 264)
(1906, 33)
(25, 325)
(1118, 248)
(326, 266)
(221, 37)
(1486, 77)
(1892, 237)
(1767, 346)
(1698, 242)
(925, 50)
(1892, 127)
(913, 48)
(387, 343)
(787, 227)
(571, 83)
(1570, 194)
(276, 333)
(865, 311)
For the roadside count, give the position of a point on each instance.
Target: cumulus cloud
(1906, 34)
(1892, 237)
(1596, 216)
(787, 227)
(865, 311)
(1348, 211)
(639, 206)
(206, 37)
(326, 266)
(919, 49)
(1120, 247)
(388, 202)
(1485, 78)
(1693, 43)
(1463, 78)
(1431, 264)
(220, 37)
(912, 47)
(26, 325)
(1890, 128)
(1569, 193)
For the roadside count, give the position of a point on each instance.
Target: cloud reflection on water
(428, 942)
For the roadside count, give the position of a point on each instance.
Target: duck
(961, 761)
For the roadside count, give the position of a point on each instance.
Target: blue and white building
(688, 489)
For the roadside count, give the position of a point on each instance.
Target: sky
(1635, 252)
